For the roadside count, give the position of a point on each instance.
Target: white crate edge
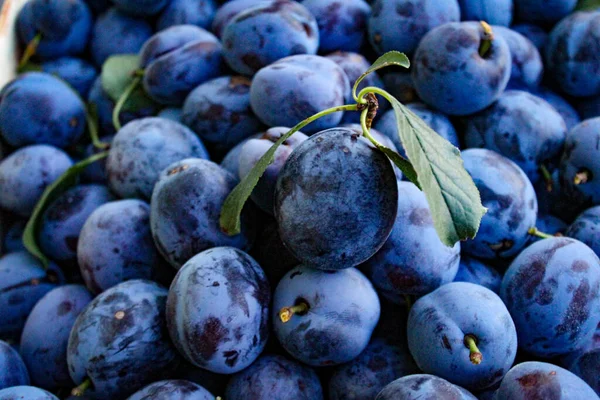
(8, 40)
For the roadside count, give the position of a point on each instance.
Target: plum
(13, 371)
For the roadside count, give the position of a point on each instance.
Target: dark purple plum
(219, 112)
(231, 161)
(267, 32)
(77, 72)
(511, 202)
(475, 271)
(117, 33)
(494, 12)
(413, 260)
(13, 371)
(23, 281)
(535, 33)
(401, 24)
(176, 60)
(120, 340)
(62, 221)
(586, 229)
(294, 88)
(52, 112)
(552, 292)
(142, 149)
(185, 209)
(336, 200)
(46, 334)
(218, 310)
(95, 172)
(324, 318)
(115, 245)
(176, 389)
(187, 12)
(423, 386)
(251, 152)
(540, 380)
(451, 75)
(274, 377)
(26, 392)
(229, 10)
(400, 85)
(527, 64)
(586, 366)
(564, 108)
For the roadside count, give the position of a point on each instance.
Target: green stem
(535, 232)
(30, 51)
(117, 111)
(488, 37)
(286, 313)
(91, 116)
(547, 176)
(475, 355)
(80, 390)
(373, 89)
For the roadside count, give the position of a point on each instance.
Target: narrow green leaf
(118, 72)
(52, 192)
(453, 198)
(389, 58)
(585, 5)
(234, 203)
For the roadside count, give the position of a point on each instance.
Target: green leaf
(389, 58)
(402, 163)
(585, 5)
(68, 179)
(234, 203)
(118, 72)
(453, 198)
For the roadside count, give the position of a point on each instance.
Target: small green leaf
(389, 58)
(118, 72)
(402, 163)
(52, 192)
(585, 5)
(453, 198)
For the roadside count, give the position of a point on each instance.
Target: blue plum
(218, 310)
(400, 85)
(475, 271)
(365, 376)
(527, 65)
(104, 107)
(120, 340)
(46, 334)
(187, 12)
(62, 221)
(586, 366)
(176, 60)
(23, 281)
(267, 32)
(185, 209)
(64, 26)
(13, 238)
(171, 113)
(117, 33)
(231, 161)
(25, 174)
(335, 200)
(96, 172)
(522, 127)
(330, 315)
(436, 120)
(569, 114)
(142, 149)
(297, 87)
(540, 380)
(49, 109)
(264, 191)
(422, 386)
(580, 165)
(229, 10)
(441, 323)
(116, 245)
(274, 377)
(219, 112)
(26, 392)
(586, 229)
(544, 12)
(494, 12)
(77, 72)
(511, 202)
(550, 225)
(401, 24)
(141, 8)
(450, 74)
(342, 24)
(413, 260)
(176, 389)
(552, 292)
(13, 371)
(571, 55)
(535, 33)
